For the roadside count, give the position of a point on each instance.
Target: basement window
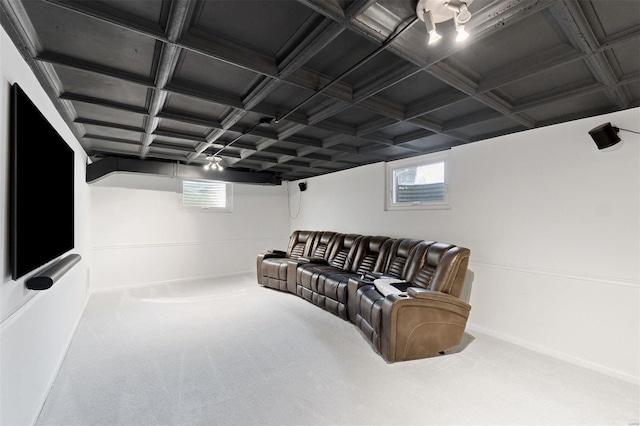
(418, 183)
(207, 195)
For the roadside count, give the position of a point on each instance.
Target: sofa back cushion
(371, 254)
(396, 264)
(321, 244)
(300, 243)
(444, 269)
(343, 250)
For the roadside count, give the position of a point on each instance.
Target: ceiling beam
(572, 20)
(107, 166)
(169, 55)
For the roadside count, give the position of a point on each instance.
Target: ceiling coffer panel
(292, 89)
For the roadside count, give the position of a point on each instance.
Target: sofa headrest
(350, 239)
(376, 243)
(435, 253)
(325, 237)
(405, 246)
(304, 236)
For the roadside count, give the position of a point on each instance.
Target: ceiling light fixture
(462, 33)
(427, 17)
(214, 163)
(433, 12)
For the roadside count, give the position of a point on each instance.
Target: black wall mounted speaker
(605, 135)
(303, 186)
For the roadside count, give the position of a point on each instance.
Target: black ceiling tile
(396, 129)
(459, 109)
(209, 72)
(106, 146)
(111, 115)
(515, 43)
(557, 78)
(101, 87)
(608, 18)
(342, 53)
(633, 89)
(590, 102)
(62, 31)
(169, 125)
(112, 132)
(262, 25)
(497, 126)
(185, 104)
(172, 142)
(140, 10)
(625, 58)
(418, 87)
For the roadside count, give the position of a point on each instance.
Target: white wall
(142, 235)
(36, 327)
(553, 226)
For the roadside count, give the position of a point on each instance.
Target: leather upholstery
(272, 268)
(325, 284)
(429, 318)
(321, 251)
(336, 271)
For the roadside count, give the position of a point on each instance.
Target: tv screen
(42, 195)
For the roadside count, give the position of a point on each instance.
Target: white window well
(418, 183)
(207, 195)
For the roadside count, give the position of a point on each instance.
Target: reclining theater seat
(325, 247)
(306, 275)
(326, 285)
(400, 256)
(272, 265)
(426, 319)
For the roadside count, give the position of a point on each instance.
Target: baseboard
(60, 362)
(555, 354)
(177, 280)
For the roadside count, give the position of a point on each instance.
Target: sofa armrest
(416, 327)
(370, 276)
(278, 253)
(436, 296)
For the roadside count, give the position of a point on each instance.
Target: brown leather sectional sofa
(403, 294)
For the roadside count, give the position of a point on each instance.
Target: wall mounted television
(42, 188)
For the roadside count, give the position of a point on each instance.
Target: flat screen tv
(42, 194)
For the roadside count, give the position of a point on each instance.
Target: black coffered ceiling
(180, 80)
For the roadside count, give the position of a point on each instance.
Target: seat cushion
(274, 273)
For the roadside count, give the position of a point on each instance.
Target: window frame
(422, 160)
(212, 209)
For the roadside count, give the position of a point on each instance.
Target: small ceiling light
(214, 163)
(433, 12)
(462, 33)
(431, 27)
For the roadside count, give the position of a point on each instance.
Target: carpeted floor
(228, 351)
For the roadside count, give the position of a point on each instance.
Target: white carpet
(228, 351)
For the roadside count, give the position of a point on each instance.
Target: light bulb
(207, 166)
(462, 34)
(434, 36)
